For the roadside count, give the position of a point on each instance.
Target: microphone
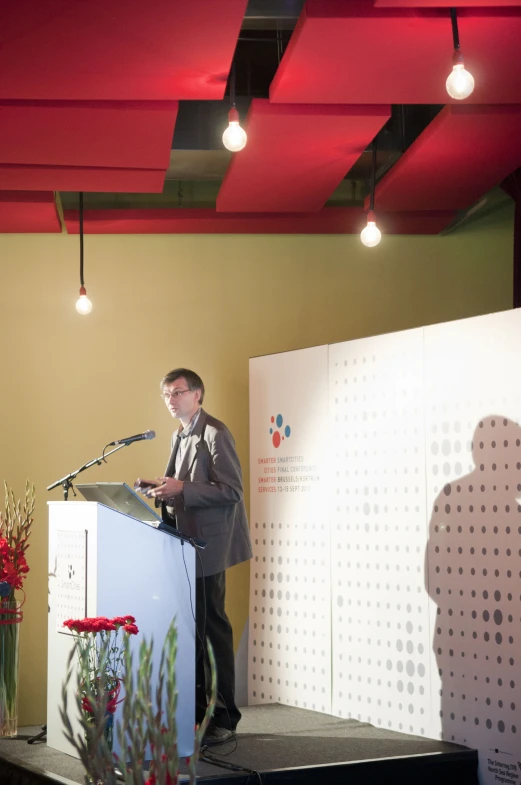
(137, 438)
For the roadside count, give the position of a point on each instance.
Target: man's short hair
(193, 380)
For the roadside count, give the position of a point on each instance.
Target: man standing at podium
(201, 494)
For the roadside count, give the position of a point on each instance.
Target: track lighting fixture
(460, 83)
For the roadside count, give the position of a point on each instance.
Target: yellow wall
(69, 384)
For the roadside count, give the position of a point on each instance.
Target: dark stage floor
(273, 739)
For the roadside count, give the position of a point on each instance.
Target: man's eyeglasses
(174, 394)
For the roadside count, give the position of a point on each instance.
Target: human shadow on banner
(473, 569)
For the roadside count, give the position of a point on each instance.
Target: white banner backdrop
(289, 654)
(381, 650)
(473, 411)
(410, 583)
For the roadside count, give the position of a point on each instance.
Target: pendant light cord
(82, 283)
(232, 84)
(455, 32)
(373, 177)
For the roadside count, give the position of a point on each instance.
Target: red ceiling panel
(330, 220)
(355, 53)
(56, 178)
(28, 212)
(296, 155)
(461, 155)
(84, 146)
(415, 222)
(127, 135)
(117, 49)
(445, 3)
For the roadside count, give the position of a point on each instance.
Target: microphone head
(149, 434)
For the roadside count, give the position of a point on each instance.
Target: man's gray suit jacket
(211, 507)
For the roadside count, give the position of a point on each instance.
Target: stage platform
(283, 745)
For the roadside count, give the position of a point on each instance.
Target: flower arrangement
(15, 528)
(148, 718)
(97, 642)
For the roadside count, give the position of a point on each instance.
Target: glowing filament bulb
(83, 304)
(460, 83)
(234, 137)
(371, 234)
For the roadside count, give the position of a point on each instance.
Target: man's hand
(142, 486)
(167, 488)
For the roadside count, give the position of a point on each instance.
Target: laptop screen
(119, 496)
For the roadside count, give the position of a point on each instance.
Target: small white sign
(71, 574)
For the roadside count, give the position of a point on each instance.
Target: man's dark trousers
(212, 623)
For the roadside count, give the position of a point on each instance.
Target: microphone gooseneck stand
(66, 482)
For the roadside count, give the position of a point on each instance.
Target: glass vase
(111, 699)
(108, 734)
(109, 730)
(10, 619)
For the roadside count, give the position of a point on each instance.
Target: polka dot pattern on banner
(381, 638)
(474, 574)
(289, 641)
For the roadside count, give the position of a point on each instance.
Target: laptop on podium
(119, 496)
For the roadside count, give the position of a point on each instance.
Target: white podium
(104, 563)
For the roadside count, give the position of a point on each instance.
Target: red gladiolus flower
(114, 698)
(11, 575)
(13, 564)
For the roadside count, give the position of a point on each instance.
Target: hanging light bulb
(234, 137)
(83, 304)
(371, 234)
(460, 82)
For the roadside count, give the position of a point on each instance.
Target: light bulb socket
(457, 57)
(371, 216)
(83, 291)
(233, 115)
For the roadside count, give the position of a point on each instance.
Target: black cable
(202, 638)
(232, 84)
(455, 33)
(81, 239)
(189, 584)
(260, 40)
(373, 177)
(206, 661)
(207, 758)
